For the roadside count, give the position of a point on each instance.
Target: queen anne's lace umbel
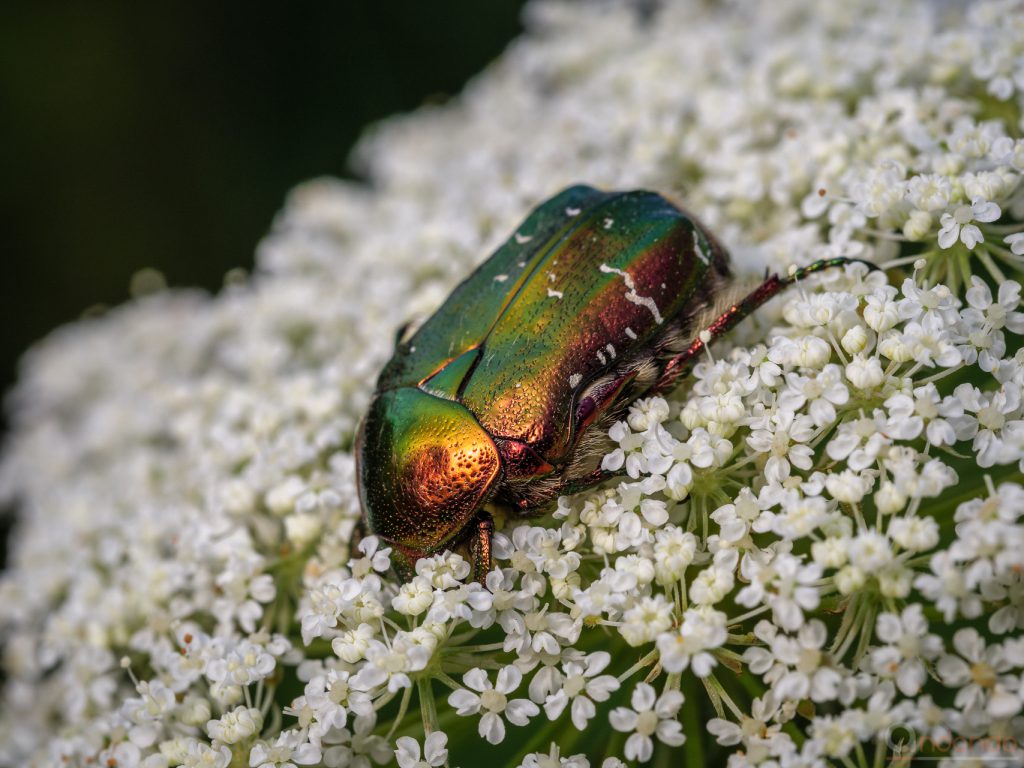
(814, 550)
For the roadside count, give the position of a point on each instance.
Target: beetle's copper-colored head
(425, 467)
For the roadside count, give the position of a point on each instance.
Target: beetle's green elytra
(504, 396)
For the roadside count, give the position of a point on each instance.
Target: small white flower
(242, 664)
(946, 586)
(909, 645)
(979, 676)
(582, 685)
(291, 748)
(782, 583)
(649, 717)
(647, 617)
(701, 631)
(808, 671)
(235, 726)
(493, 699)
(553, 759)
(443, 571)
(434, 751)
(674, 550)
(414, 597)
(783, 436)
(958, 226)
(375, 558)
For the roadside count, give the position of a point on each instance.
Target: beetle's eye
(585, 410)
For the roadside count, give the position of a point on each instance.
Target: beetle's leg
(680, 364)
(480, 545)
(597, 476)
(568, 488)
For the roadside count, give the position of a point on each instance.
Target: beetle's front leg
(480, 545)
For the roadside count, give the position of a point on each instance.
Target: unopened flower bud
(894, 348)
(888, 499)
(855, 340)
(850, 579)
(918, 226)
(865, 373)
(894, 582)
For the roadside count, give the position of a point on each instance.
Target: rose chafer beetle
(503, 398)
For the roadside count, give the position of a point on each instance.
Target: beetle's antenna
(839, 261)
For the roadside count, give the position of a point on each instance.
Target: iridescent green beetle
(502, 399)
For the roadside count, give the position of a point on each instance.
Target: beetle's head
(425, 467)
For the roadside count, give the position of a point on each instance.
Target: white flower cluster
(813, 552)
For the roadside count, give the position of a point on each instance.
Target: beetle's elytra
(504, 396)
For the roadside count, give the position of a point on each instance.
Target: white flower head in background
(814, 540)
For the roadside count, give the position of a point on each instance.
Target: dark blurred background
(166, 135)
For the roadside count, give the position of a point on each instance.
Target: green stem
(997, 274)
(644, 662)
(447, 680)
(428, 707)
(403, 707)
(693, 748)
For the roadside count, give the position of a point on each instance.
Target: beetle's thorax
(426, 467)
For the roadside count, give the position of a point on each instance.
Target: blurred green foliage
(166, 135)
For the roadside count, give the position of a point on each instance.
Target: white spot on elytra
(631, 333)
(632, 295)
(551, 277)
(611, 350)
(412, 349)
(570, 211)
(601, 357)
(608, 223)
(500, 278)
(697, 249)
(519, 384)
(575, 380)
(522, 239)
(553, 294)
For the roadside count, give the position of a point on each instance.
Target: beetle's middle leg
(480, 545)
(679, 365)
